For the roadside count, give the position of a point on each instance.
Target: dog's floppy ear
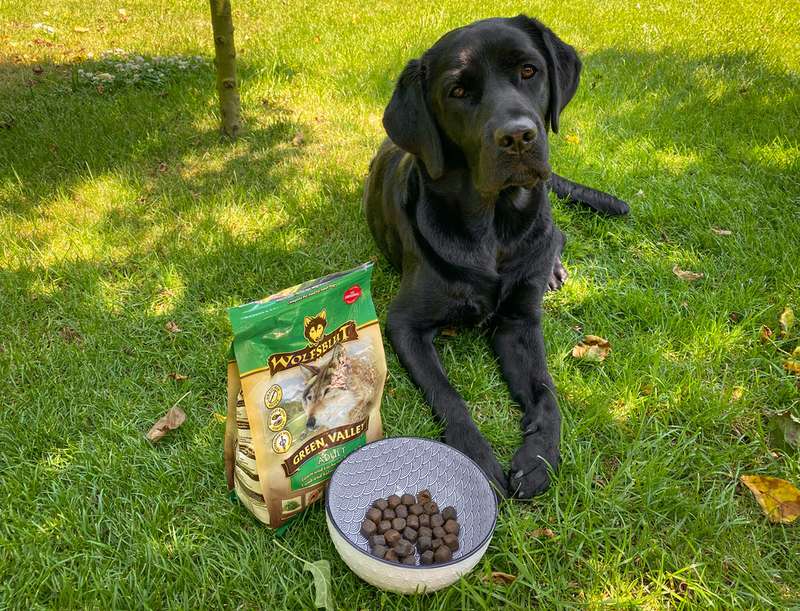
(408, 120)
(563, 66)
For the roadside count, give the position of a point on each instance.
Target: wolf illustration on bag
(339, 391)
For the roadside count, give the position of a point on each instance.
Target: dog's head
(484, 96)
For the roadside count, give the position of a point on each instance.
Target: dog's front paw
(558, 276)
(469, 440)
(529, 468)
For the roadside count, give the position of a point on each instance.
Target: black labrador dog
(457, 199)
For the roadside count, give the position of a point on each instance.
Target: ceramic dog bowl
(396, 466)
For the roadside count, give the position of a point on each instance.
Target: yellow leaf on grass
(779, 499)
(572, 139)
(685, 274)
(592, 348)
(219, 417)
(792, 366)
(787, 321)
(168, 422)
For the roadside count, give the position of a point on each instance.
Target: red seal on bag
(352, 294)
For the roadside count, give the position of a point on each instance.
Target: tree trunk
(227, 86)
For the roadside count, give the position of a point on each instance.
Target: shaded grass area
(123, 210)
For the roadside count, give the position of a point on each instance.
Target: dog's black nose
(517, 136)
(311, 422)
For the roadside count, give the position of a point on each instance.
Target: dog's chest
(501, 268)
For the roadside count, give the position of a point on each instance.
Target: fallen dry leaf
(779, 499)
(162, 167)
(448, 332)
(792, 366)
(572, 139)
(500, 578)
(765, 334)
(219, 417)
(80, 30)
(171, 327)
(178, 377)
(543, 532)
(592, 348)
(787, 321)
(68, 334)
(685, 274)
(298, 139)
(785, 429)
(168, 422)
(737, 393)
(719, 231)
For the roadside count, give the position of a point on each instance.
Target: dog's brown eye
(457, 92)
(527, 71)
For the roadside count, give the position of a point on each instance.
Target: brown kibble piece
(451, 541)
(379, 551)
(410, 560)
(424, 520)
(424, 496)
(374, 514)
(391, 556)
(442, 554)
(398, 524)
(431, 508)
(449, 513)
(391, 536)
(368, 528)
(436, 520)
(393, 501)
(424, 531)
(377, 540)
(436, 544)
(403, 548)
(407, 499)
(409, 534)
(452, 527)
(383, 526)
(416, 509)
(427, 557)
(439, 532)
(412, 522)
(423, 544)
(380, 504)
(401, 511)
(389, 514)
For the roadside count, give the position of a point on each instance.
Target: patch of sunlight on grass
(622, 409)
(675, 161)
(114, 294)
(171, 295)
(57, 460)
(780, 154)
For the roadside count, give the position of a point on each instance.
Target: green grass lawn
(122, 210)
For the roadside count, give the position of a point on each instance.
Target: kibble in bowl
(428, 479)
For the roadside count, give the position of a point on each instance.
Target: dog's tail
(594, 199)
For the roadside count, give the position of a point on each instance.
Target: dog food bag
(305, 380)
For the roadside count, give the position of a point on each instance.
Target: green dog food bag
(305, 379)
